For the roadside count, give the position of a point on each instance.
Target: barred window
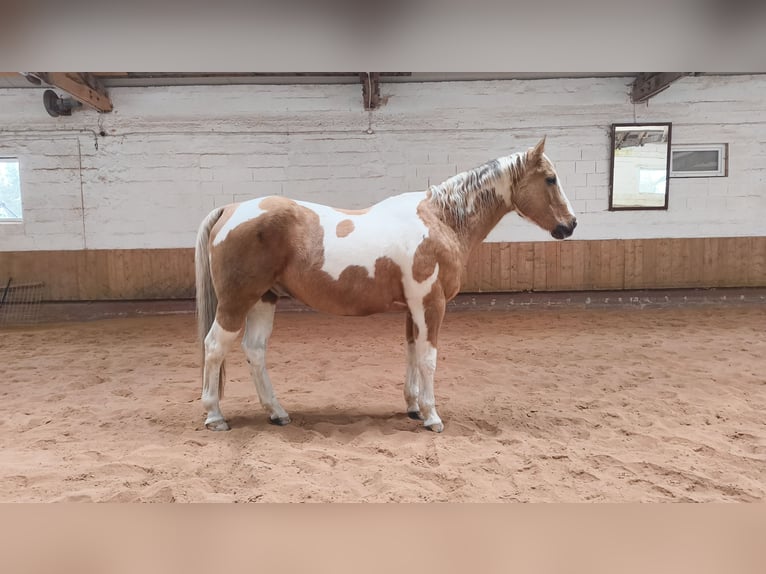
(10, 190)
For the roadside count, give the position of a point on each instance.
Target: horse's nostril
(561, 231)
(574, 223)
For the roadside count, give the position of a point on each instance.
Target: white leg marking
(426, 359)
(424, 352)
(258, 328)
(412, 382)
(217, 343)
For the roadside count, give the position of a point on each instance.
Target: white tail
(206, 297)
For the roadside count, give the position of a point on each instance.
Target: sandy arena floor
(544, 405)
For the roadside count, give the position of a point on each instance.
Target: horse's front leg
(427, 319)
(411, 382)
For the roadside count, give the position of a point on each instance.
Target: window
(698, 160)
(652, 181)
(10, 190)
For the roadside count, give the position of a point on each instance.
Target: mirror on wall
(640, 166)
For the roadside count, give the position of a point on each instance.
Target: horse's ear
(536, 153)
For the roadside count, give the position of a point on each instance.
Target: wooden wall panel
(505, 266)
(545, 266)
(523, 277)
(104, 274)
(623, 264)
(756, 265)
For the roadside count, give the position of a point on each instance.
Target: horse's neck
(472, 226)
(472, 204)
(480, 225)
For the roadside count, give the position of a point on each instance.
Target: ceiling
(137, 79)
(92, 88)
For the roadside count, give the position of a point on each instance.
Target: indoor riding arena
(621, 361)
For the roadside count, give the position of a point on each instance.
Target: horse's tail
(207, 301)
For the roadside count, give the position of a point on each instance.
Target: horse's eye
(550, 180)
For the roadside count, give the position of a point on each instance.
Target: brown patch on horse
(352, 211)
(275, 202)
(434, 305)
(442, 246)
(344, 228)
(246, 265)
(425, 259)
(354, 293)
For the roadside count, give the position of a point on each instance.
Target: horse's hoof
(280, 421)
(436, 427)
(218, 426)
(415, 415)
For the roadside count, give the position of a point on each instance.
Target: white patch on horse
(561, 189)
(242, 214)
(391, 228)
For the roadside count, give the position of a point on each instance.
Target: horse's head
(539, 198)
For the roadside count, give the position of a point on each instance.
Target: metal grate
(20, 302)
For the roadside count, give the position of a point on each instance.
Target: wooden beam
(370, 89)
(648, 84)
(83, 86)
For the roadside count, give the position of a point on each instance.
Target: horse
(406, 252)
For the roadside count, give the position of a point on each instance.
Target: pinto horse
(406, 252)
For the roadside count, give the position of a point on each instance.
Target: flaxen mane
(475, 191)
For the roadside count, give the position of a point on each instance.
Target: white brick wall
(173, 153)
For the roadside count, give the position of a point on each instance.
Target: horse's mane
(474, 190)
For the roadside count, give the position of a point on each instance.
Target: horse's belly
(355, 292)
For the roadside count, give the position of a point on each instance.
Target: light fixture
(57, 106)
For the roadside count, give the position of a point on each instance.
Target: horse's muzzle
(563, 231)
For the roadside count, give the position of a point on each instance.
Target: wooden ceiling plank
(370, 89)
(649, 84)
(83, 86)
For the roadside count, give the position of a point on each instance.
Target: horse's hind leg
(260, 321)
(218, 342)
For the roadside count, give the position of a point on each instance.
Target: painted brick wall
(173, 153)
